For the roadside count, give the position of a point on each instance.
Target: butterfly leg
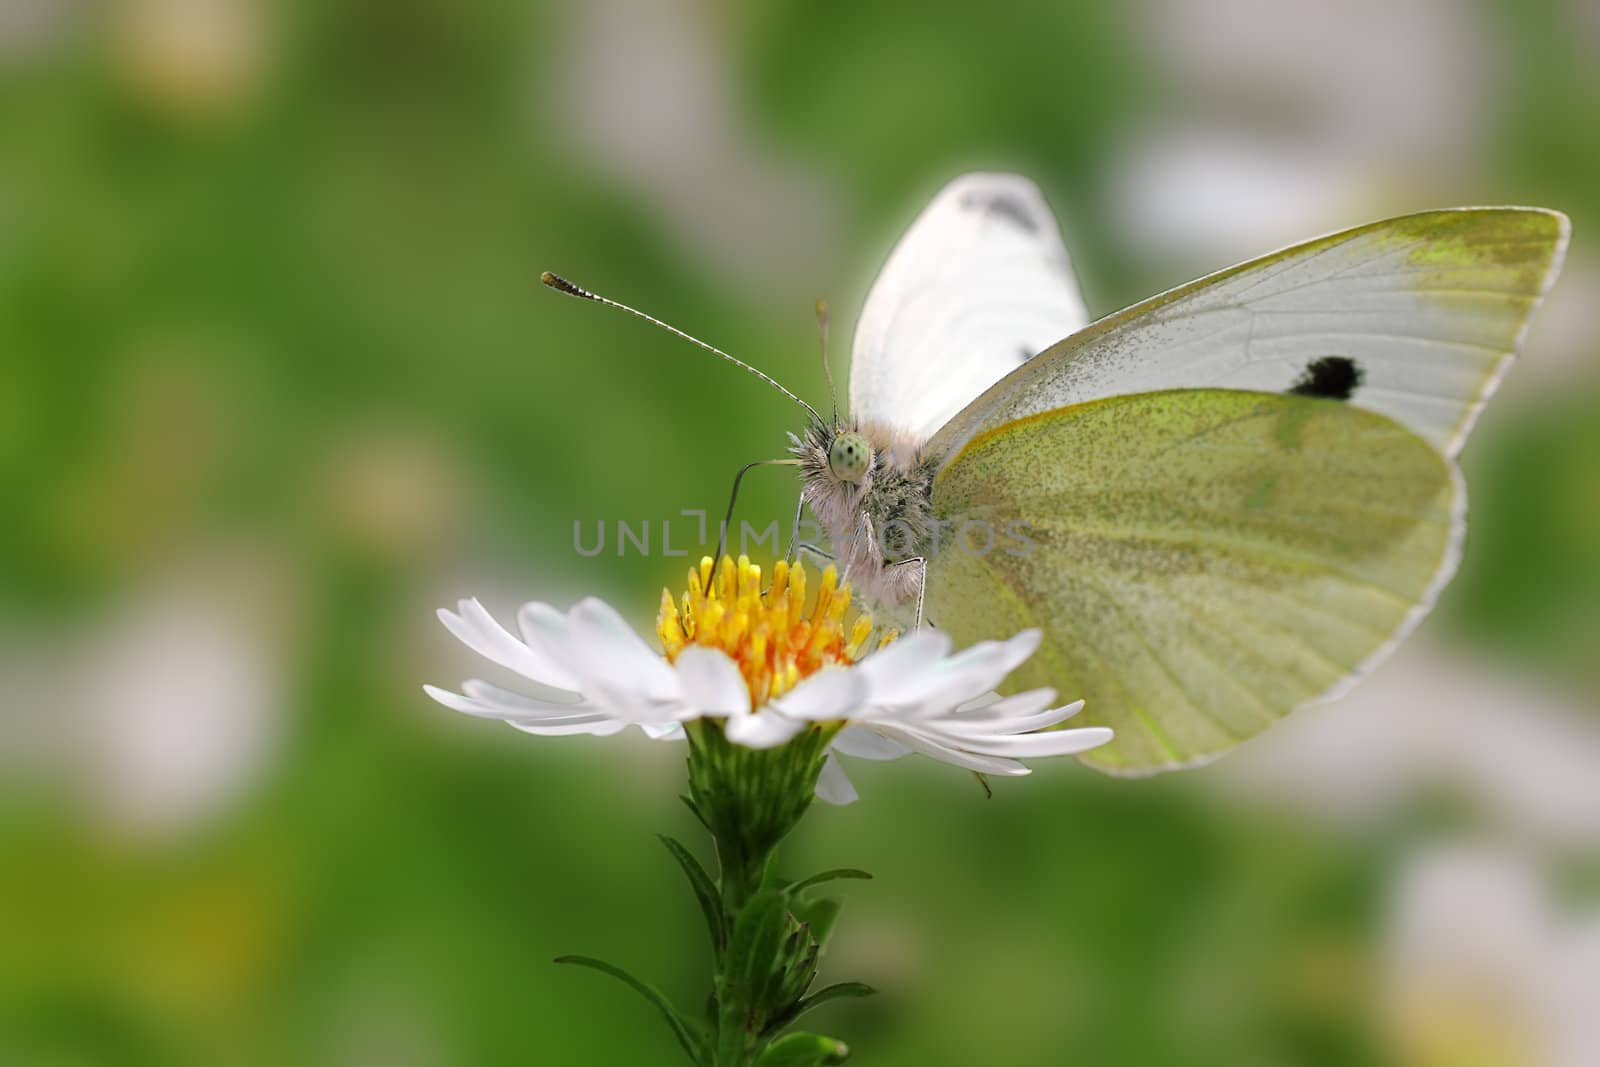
(861, 540)
(921, 563)
(794, 531)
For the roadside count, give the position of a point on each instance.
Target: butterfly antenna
(561, 285)
(827, 368)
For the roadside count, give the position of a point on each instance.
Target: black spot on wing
(1332, 377)
(1025, 353)
(1003, 206)
(1014, 211)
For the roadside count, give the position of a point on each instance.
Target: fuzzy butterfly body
(1219, 504)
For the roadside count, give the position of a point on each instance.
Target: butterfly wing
(980, 283)
(1428, 309)
(1200, 561)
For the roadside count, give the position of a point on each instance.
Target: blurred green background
(277, 379)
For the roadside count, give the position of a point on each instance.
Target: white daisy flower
(770, 668)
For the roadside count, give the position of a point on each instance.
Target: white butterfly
(1218, 504)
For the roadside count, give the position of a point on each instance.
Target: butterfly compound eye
(850, 457)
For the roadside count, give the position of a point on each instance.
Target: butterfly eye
(850, 457)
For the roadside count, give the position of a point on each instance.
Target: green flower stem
(766, 933)
(750, 800)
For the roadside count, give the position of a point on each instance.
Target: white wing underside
(1430, 307)
(979, 284)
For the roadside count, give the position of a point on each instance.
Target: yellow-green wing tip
(1531, 239)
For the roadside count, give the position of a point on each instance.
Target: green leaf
(837, 991)
(822, 996)
(760, 930)
(788, 973)
(689, 803)
(820, 914)
(804, 1050)
(681, 1028)
(705, 891)
(828, 876)
(757, 933)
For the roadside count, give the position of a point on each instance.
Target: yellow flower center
(770, 633)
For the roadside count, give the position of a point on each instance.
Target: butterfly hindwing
(1200, 561)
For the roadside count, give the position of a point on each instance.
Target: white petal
(993, 660)
(672, 731)
(634, 708)
(1010, 724)
(906, 671)
(1022, 645)
(599, 728)
(543, 628)
(1043, 720)
(613, 667)
(834, 693)
(711, 681)
(1027, 703)
(596, 625)
(862, 742)
(457, 702)
(1047, 743)
(833, 785)
(968, 675)
(536, 664)
(764, 729)
(1017, 706)
(476, 628)
(618, 672)
(472, 705)
(485, 693)
(558, 715)
(942, 751)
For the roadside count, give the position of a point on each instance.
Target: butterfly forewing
(1427, 309)
(980, 283)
